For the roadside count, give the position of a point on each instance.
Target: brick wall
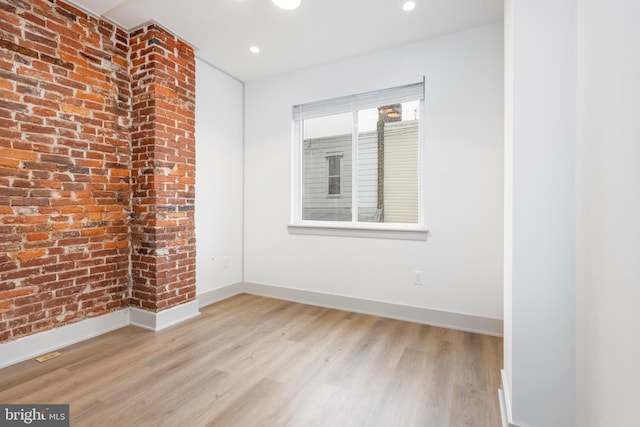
(163, 163)
(67, 215)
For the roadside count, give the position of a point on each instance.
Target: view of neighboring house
(387, 160)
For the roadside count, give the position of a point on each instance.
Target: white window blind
(411, 92)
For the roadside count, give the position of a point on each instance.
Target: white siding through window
(401, 172)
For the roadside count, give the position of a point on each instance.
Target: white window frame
(354, 228)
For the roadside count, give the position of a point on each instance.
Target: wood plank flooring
(255, 361)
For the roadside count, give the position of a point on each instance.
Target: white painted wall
(219, 177)
(587, 54)
(462, 260)
(608, 245)
(541, 138)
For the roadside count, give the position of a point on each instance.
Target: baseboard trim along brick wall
(165, 318)
(38, 344)
(35, 345)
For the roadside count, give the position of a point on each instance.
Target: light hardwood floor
(255, 361)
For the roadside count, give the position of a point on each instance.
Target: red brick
(34, 253)
(37, 236)
(19, 154)
(17, 293)
(68, 159)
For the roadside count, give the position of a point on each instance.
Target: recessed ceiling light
(287, 4)
(409, 6)
(254, 49)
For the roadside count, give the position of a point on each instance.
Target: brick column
(163, 169)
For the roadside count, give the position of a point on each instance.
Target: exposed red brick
(157, 118)
(97, 167)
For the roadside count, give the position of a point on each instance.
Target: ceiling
(319, 31)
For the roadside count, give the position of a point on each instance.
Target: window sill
(366, 232)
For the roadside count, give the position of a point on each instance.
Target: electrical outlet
(226, 262)
(417, 277)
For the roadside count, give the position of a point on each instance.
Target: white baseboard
(44, 342)
(505, 402)
(503, 408)
(459, 321)
(31, 346)
(210, 297)
(165, 318)
(41, 343)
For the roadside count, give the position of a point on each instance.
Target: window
(357, 162)
(334, 175)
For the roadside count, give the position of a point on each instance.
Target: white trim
(503, 411)
(506, 394)
(505, 402)
(166, 28)
(353, 231)
(91, 12)
(427, 316)
(129, 30)
(165, 318)
(41, 343)
(44, 342)
(211, 297)
(31, 346)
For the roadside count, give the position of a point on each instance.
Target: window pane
(334, 185)
(383, 127)
(334, 165)
(368, 186)
(388, 164)
(327, 168)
